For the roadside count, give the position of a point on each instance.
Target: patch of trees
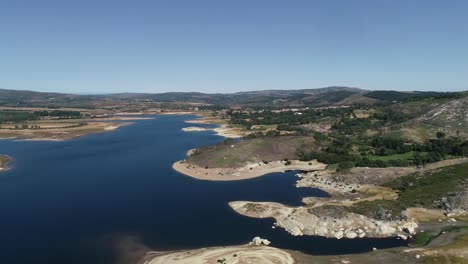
(389, 115)
(340, 152)
(431, 151)
(345, 166)
(23, 116)
(376, 163)
(16, 116)
(389, 145)
(272, 133)
(287, 120)
(320, 136)
(349, 126)
(269, 133)
(347, 161)
(59, 113)
(336, 152)
(287, 127)
(271, 118)
(411, 96)
(254, 135)
(438, 149)
(324, 98)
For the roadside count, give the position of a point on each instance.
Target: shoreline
(302, 220)
(446, 245)
(249, 171)
(222, 131)
(65, 135)
(326, 216)
(60, 133)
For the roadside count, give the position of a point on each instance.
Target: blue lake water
(99, 198)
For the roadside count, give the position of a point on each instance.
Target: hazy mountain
(335, 95)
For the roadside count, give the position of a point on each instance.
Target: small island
(4, 159)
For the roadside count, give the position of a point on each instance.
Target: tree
(440, 135)
(273, 133)
(345, 166)
(418, 160)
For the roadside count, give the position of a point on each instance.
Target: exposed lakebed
(78, 201)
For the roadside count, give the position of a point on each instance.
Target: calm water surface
(99, 198)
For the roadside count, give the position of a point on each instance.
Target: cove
(81, 201)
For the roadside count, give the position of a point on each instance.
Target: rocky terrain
(451, 115)
(302, 220)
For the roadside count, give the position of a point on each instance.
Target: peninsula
(250, 170)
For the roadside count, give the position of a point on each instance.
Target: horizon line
(242, 91)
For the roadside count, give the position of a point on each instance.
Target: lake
(103, 198)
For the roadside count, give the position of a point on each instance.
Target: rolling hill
(335, 95)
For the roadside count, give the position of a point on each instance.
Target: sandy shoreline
(195, 129)
(228, 132)
(251, 170)
(222, 130)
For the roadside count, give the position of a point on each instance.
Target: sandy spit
(251, 170)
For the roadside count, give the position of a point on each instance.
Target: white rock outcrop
(299, 221)
(257, 241)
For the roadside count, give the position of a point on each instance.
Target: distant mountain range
(335, 95)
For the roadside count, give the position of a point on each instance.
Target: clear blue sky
(232, 45)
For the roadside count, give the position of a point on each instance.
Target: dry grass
(425, 215)
(250, 150)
